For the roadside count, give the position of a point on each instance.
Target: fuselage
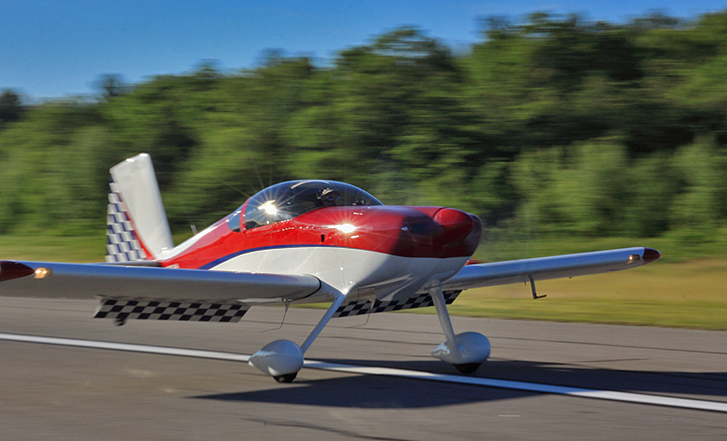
(363, 250)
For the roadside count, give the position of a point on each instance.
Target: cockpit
(286, 200)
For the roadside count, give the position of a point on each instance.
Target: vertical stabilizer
(137, 223)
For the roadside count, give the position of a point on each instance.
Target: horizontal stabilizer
(186, 311)
(368, 306)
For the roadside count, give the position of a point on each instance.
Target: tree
(11, 108)
(111, 85)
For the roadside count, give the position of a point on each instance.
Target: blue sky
(57, 48)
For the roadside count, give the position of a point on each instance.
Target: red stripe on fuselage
(399, 231)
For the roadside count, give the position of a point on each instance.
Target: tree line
(579, 128)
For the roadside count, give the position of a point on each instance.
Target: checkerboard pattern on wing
(123, 309)
(364, 306)
(121, 242)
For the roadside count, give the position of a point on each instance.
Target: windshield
(287, 200)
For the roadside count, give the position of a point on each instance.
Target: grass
(54, 248)
(686, 295)
(686, 289)
(676, 247)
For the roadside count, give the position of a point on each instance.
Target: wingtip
(651, 255)
(13, 270)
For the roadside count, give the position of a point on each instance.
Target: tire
(467, 368)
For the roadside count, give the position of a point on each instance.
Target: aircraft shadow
(370, 391)
(648, 381)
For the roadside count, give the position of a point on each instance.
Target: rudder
(137, 227)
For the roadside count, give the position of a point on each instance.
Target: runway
(72, 392)
(403, 373)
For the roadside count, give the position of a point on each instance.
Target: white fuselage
(354, 272)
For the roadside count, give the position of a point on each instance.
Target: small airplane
(305, 241)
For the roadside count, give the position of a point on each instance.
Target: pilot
(328, 197)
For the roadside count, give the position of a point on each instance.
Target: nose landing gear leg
(466, 351)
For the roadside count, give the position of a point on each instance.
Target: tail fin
(137, 223)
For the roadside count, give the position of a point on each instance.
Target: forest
(570, 127)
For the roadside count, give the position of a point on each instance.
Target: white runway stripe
(529, 387)
(127, 347)
(403, 373)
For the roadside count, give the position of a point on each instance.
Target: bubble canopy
(289, 199)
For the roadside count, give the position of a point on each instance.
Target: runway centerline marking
(629, 397)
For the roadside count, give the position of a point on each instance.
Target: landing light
(43, 273)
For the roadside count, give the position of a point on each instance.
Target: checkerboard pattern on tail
(122, 245)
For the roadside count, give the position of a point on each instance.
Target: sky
(59, 48)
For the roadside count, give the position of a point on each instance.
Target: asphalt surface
(70, 393)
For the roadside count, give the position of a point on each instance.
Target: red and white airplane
(308, 241)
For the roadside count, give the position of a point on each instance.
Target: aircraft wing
(544, 268)
(155, 293)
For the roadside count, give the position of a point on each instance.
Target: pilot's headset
(328, 197)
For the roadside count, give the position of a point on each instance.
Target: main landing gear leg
(282, 359)
(466, 351)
